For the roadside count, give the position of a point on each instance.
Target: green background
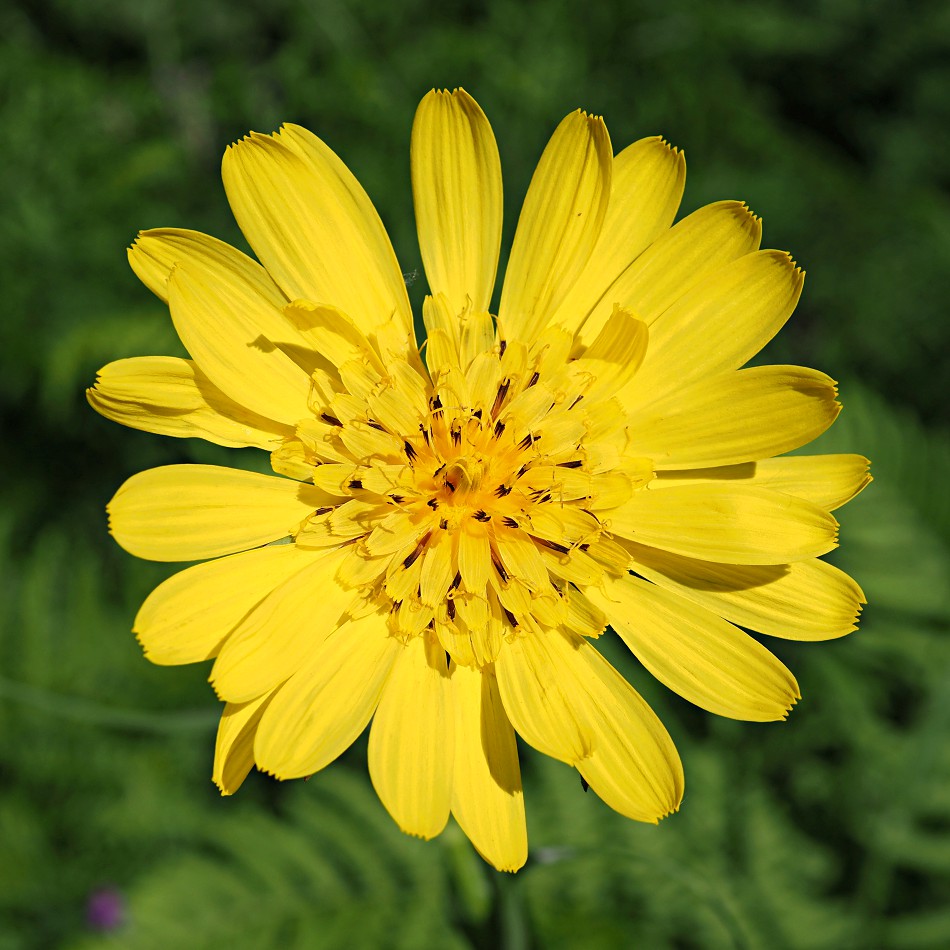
(832, 830)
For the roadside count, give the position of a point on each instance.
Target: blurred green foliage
(830, 117)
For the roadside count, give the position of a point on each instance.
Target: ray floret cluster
(451, 527)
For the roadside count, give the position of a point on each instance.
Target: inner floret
(469, 498)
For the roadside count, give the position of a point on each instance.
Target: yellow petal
(155, 253)
(614, 356)
(321, 710)
(696, 246)
(313, 227)
(234, 746)
(736, 417)
(194, 512)
(456, 187)
(537, 697)
(221, 324)
(828, 481)
(331, 332)
(806, 600)
(487, 799)
(632, 765)
(278, 637)
(411, 742)
(705, 659)
(648, 180)
(718, 326)
(187, 617)
(171, 396)
(559, 225)
(728, 524)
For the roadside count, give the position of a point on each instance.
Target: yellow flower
(462, 531)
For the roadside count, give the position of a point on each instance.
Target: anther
(509, 522)
(332, 420)
(420, 546)
(499, 428)
(575, 463)
(535, 376)
(322, 511)
(500, 396)
(481, 515)
(410, 451)
(355, 484)
(503, 490)
(433, 503)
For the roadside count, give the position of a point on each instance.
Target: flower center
(468, 501)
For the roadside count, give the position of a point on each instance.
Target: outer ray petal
(321, 710)
(736, 417)
(171, 396)
(155, 253)
(487, 799)
(828, 481)
(539, 699)
(282, 632)
(696, 246)
(456, 186)
(234, 746)
(187, 617)
(718, 326)
(559, 225)
(806, 600)
(220, 324)
(411, 741)
(648, 180)
(193, 512)
(566, 701)
(727, 524)
(703, 658)
(313, 227)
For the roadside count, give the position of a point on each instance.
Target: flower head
(463, 527)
